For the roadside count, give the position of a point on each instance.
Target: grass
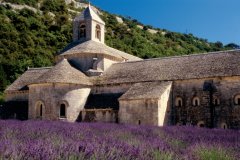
(214, 153)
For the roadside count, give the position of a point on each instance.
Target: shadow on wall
(103, 101)
(14, 110)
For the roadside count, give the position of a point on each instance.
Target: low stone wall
(98, 115)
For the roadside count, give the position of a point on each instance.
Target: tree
(233, 46)
(3, 79)
(219, 44)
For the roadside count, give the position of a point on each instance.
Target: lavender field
(61, 140)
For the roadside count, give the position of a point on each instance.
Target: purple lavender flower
(61, 140)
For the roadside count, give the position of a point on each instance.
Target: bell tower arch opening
(98, 32)
(82, 31)
(88, 26)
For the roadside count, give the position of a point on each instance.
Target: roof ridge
(181, 56)
(89, 12)
(94, 47)
(40, 68)
(96, 14)
(224, 64)
(64, 72)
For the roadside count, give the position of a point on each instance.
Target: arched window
(178, 102)
(98, 32)
(196, 101)
(201, 124)
(82, 31)
(237, 100)
(216, 101)
(62, 111)
(39, 109)
(139, 122)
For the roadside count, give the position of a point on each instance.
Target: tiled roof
(28, 77)
(92, 47)
(89, 13)
(217, 64)
(146, 90)
(63, 72)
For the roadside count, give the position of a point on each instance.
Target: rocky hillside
(33, 31)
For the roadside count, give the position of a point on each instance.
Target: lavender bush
(61, 140)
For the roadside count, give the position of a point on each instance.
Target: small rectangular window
(62, 111)
(139, 122)
(196, 103)
(179, 103)
(41, 108)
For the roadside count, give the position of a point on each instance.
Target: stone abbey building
(94, 82)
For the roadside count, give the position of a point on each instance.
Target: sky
(214, 20)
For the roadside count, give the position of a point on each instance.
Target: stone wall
(98, 115)
(139, 112)
(90, 30)
(116, 88)
(146, 111)
(107, 63)
(84, 62)
(224, 101)
(76, 100)
(51, 96)
(76, 27)
(93, 31)
(164, 114)
(162, 111)
(226, 111)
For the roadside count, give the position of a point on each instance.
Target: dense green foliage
(32, 39)
(22, 2)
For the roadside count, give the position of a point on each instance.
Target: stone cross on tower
(88, 26)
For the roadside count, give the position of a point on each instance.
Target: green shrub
(215, 153)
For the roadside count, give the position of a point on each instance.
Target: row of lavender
(61, 140)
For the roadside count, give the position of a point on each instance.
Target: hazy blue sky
(215, 20)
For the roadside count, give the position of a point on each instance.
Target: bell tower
(88, 26)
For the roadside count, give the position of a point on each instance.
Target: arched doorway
(224, 126)
(62, 109)
(201, 124)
